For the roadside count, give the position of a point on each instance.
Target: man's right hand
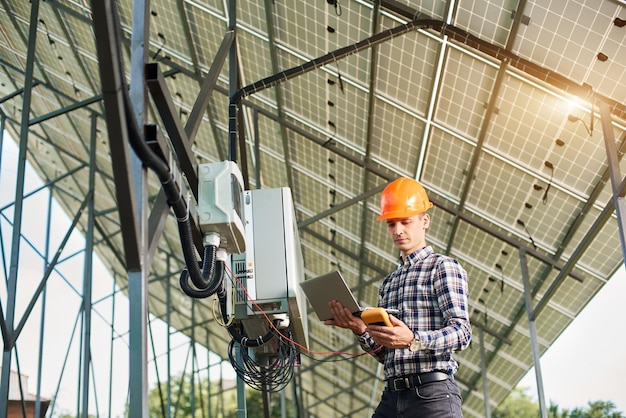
(343, 318)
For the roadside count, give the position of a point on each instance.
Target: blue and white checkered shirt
(431, 292)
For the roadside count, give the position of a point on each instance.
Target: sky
(586, 363)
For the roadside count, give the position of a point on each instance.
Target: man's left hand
(397, 336)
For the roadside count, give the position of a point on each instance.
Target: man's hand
(397, 336)
(343, 318)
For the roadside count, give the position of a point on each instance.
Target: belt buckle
(406, 383)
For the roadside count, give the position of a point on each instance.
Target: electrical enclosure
(220, 194)
(271, 268)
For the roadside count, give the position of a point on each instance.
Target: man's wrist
(359, 331)
(415, 345)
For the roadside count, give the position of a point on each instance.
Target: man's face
(409, 234)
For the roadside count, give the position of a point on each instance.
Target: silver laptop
(331, 286)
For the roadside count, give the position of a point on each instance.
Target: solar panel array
(491, 105)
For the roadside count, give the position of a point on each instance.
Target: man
(431, 293)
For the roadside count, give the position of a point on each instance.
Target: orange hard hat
(402, 198)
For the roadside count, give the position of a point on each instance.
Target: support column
(137, 279)
(534, 344)
(616, 176)
(168, 323)
(233, 119)
(242, 411)
(8, 320)
(483, 369)
(88, 272)
(129, 173)
(111, 345)
(234, 107)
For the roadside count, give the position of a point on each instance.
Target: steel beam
(88, 272)
(8, 321)
(341, 206)
(15, 93)
(586, 241)
(113, 90)
(208, 86)
(483, 372)
(137, 277)
(616, 175)
(65, 110)
(42, 325)
(173, 125)
(532, 327)
(183, 138)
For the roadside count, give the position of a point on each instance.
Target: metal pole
(534, 344)
(233, 110)
(193, 356)
(88, 271)
(17, 222)
(616, 176)
(42, 325)
(111, 350)
(137, 279)
(209, 380)
(168, 315)
(242, 412)
(483, 370)
(283, 404)
(233, 107)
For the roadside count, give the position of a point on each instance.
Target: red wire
(271, 324)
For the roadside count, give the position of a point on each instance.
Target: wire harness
(274, 373)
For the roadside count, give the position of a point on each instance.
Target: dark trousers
(432, 400)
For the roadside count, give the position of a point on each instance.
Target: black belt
(414, 380)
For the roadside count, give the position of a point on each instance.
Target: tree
(555, 412)
(184, 402)
(597, 409)
(519, 404)
(255, 409)
(223, 402)
(65, 414)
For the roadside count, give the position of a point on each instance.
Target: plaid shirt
(431, 292)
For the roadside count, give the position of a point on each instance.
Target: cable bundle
(272, 377)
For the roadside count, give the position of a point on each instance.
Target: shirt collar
(416, 256)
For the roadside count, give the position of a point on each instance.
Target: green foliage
(519, 404)
(188, 403)
(65, 414)
(255, 409)
(221, 404)
(74, 416)
(597, 409)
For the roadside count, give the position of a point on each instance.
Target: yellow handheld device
(375, 316)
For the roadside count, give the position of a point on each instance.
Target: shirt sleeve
(367, 344)
(451, 291)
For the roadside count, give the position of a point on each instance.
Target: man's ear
(426, 220)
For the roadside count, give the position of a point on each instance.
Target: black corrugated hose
(205, 281)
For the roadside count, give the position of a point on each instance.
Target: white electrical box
(220, 194)
(272, 267)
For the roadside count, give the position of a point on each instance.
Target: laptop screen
(330, 286)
